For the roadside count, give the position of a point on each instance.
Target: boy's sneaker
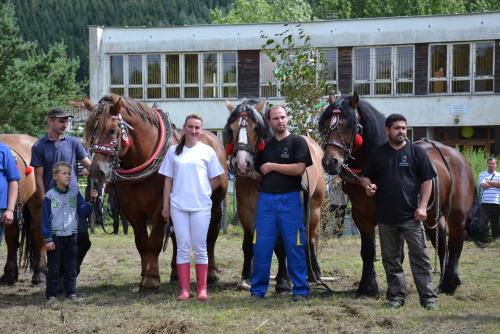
(51, 302)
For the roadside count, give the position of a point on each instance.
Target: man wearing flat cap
(53, 147)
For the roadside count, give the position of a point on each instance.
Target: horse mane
(371, 119)
(373, 123)
(95, 123)
(248, 106)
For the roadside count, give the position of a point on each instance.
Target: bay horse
(27, 217)
(351, 129)
(129, 140)
(245, 134)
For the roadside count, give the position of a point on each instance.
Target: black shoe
(394, 304)
(430, 306)
(299, 298)
(256, 298)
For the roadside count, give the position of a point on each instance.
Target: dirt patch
(169, 326)
(385, 323)
(351, 311)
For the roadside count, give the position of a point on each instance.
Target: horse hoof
(243, 285)
(9, 280)
(212, 280)
(150, 283)
(144, 292)
(363, 293)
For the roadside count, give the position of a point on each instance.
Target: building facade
(442, 72)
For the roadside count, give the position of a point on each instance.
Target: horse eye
(112, 131)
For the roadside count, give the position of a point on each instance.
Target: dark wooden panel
(497, 139)
(419, 132)
(345, 70)
(248, 74)
(497, 69)
(421, 68)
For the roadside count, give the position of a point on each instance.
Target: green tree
(259, 11)
(300, 71)
(32, 81)
(330, 9)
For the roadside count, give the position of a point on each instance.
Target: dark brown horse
(245, 132)
(343, 123)
(27, 217)
(129, 140)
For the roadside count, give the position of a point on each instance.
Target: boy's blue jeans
(65, 255)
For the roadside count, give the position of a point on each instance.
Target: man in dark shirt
(402, 182)
(55, 146)
(279, 207)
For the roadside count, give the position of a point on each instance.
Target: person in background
(53, 147)
(338, 201)
(489, 182)
(400, 174)
(9, 177)
(60, 210)
(192, 171)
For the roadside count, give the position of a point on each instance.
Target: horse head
(341, 130)
(245, 134)
(121, 132)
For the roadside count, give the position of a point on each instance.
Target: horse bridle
(243, 145)
(334, 124)
(113, 148)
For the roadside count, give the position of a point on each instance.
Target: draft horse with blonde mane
(245, 135)
(351, 129)
(26, 223)
(129, 140)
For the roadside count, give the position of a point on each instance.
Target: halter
(334, 124)
(242, 139)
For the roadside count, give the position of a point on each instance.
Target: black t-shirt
(290, 150)
(398, 175)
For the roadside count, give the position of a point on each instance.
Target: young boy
(61, 207)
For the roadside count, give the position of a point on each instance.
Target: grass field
(110, 303)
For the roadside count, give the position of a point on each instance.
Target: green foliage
(330, 9)
(477, 159)
(259, 11)
(301, 75)
(31, 81)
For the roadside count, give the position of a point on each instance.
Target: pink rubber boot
(201, 280)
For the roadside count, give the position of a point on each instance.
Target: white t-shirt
(491, 195)
(191, 172)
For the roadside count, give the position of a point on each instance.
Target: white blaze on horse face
(242, 156)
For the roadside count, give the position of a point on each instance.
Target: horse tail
(477, 223)
(28, 248)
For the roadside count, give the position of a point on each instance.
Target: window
(330, 58)
(269, 85)
(116, 71)
(153, 87)
(461, 68)
(172, 77)
(191, 76)
(384, 70)
(175, 76)
(135, 76)
(229, 75)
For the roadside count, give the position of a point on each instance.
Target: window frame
(181, 85)
(394, 79)
(449, 77)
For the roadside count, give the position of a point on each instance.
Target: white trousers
(191, 228)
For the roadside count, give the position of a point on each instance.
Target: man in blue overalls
(279, 207)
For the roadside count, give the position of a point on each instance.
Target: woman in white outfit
(191, 171)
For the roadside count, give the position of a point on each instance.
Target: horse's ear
(331, 98)
(229, 106)
(260, 106)
(354, 100)
(88, 104)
